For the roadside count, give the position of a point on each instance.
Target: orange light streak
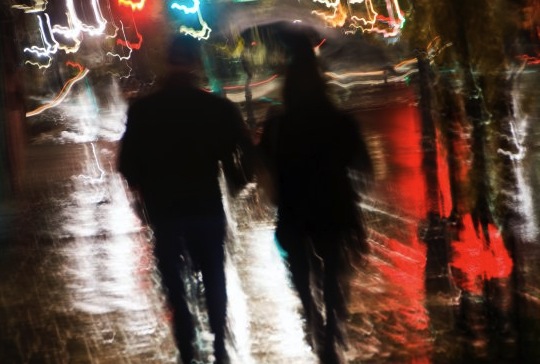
(64, 92)
(335, 19)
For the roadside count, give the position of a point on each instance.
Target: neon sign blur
(68, 37)
(362, 15)
(135, 5)
(204, 31)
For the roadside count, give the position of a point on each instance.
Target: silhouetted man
(174, 143)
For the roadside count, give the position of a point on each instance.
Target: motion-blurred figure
(170, 155)
(310, 149)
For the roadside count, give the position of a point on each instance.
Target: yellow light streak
(134, 5)
(39, 6)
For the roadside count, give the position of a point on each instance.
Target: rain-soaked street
(79, 284)
(453, 214)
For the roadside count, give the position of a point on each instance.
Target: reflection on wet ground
(79, 286)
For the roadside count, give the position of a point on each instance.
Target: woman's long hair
(304, 85)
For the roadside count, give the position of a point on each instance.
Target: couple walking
(175, 141)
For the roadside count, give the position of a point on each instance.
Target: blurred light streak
(444, 192)
(366, 19)
(75, 65)
(98, 166)
(254, 84)
(135, 5)
(75, 26)
(523, 197)
(531, 60)
(370, 204)
(111, 22)
(371, 17)
(329, 4)
(204, 32)
(187, 10)
(69, 32)
(39, 6)
(396, 73)
(128, 75)
(124, 43)
(78, 24)
(395, 24)
(131, 45)
(368, 81)
(335, 19)
(49, 48)
(128, 44)
(402, 265)
(63, 93)
(477, 257)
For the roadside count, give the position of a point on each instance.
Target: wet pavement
(79, 284)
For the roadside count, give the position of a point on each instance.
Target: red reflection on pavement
(477, 258)
(403, 266)
(403, 157)
(443, 174)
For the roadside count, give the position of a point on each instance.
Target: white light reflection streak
(396, 73)
(43, 52)
(116, 28)
(69, 32)
(92, 30)
(98, 166)
(275, 327)
(523, 200)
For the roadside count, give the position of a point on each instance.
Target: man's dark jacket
(174, 142)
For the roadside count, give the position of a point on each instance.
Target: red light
(477, 258)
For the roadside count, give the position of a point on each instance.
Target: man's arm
(128, 153)
(360, 162)
(238, 163)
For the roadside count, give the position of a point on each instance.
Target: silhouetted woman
(309, 147)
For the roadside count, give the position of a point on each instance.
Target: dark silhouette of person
(310, 149)
(175, 141)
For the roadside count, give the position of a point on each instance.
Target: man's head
(184, 52)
